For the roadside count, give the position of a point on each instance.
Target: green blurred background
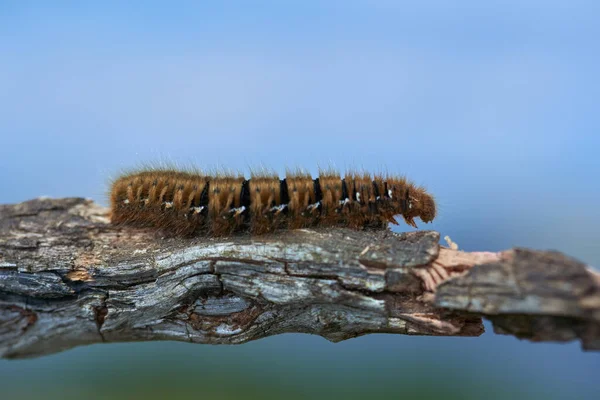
(304, 366)
(492, 105)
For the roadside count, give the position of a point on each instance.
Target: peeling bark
(68, 278)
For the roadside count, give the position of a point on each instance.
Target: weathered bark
(68, 278)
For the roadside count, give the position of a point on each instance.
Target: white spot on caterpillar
(168, 204)
(390, 193)
(345, 201)
(126, 201)
(358, 197)
(197, 210)
(314, 206)
(278, 208)
(238, 210)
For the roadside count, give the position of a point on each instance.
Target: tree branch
(68, 278)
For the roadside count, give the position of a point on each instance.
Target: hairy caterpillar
(187, 203)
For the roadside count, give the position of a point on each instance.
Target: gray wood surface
(68, 278)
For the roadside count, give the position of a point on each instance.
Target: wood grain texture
(68, 278)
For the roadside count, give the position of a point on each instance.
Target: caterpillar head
(412, 202)
(423, 206)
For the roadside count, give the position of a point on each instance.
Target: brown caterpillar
(187, 203)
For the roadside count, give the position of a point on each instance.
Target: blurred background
(493, 106)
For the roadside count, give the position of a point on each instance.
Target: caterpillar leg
(410, 221)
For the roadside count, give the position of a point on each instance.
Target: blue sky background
(492, 105)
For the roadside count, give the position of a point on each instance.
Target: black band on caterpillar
(245, 194)
(285, 197)
(203, 202)
(376, 189)
(344, 190)
(318, 192)
(185, 203)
